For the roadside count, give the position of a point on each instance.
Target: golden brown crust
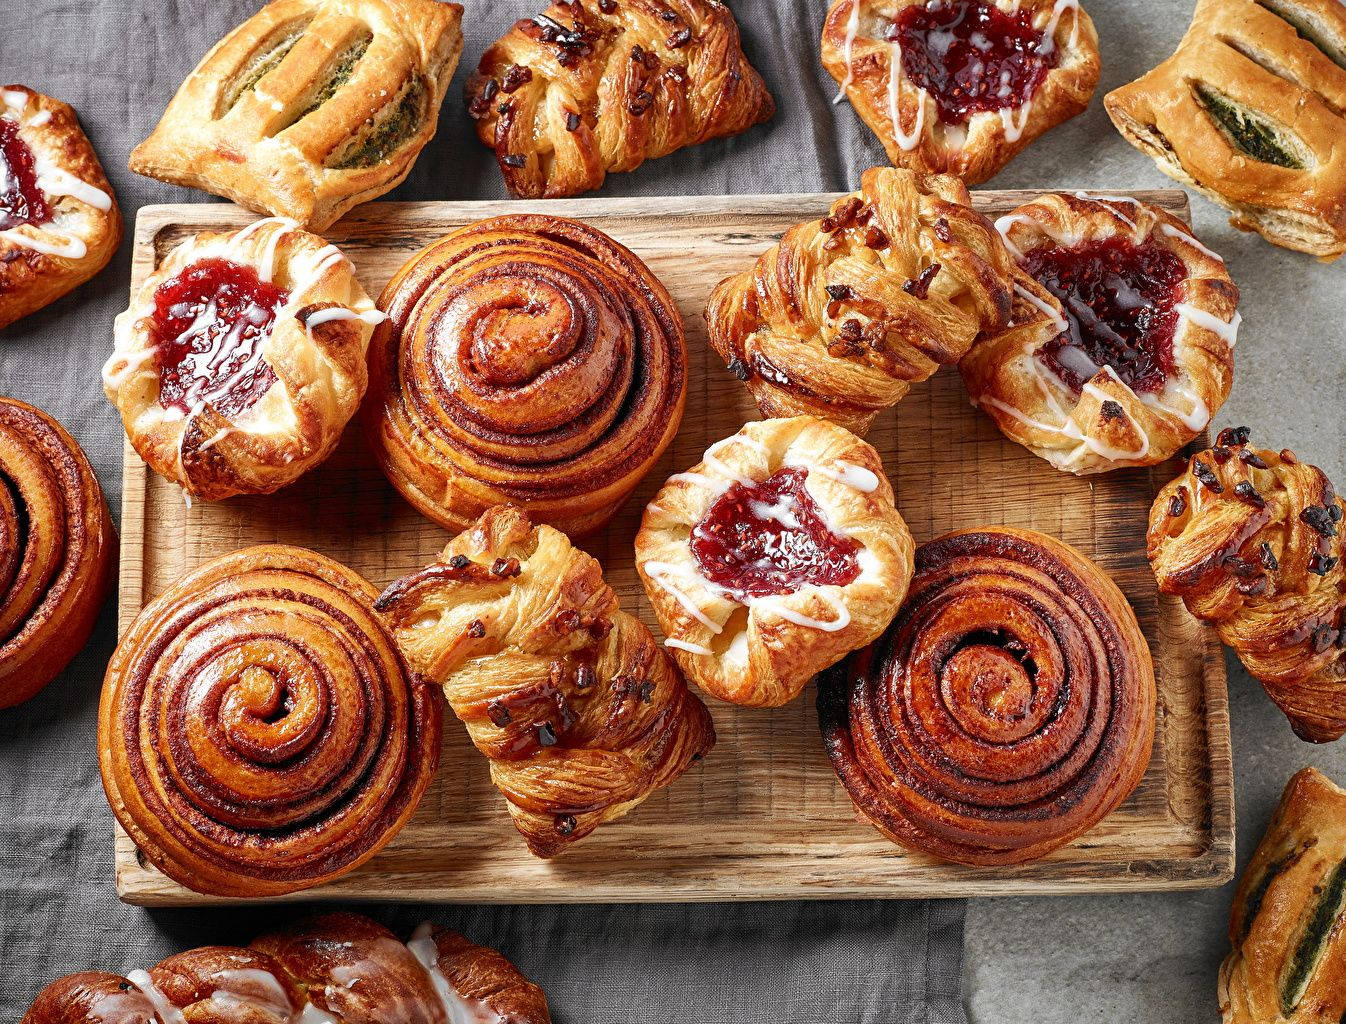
(486, 977)
(39, 263)
(593, 86)
(842, 316)
(1250, 111)
(580, 713)
(857, 53)
(1287, 964)
(310, 107)
(1107, 425)
(1252, 541)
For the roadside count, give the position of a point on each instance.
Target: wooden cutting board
(763, 817)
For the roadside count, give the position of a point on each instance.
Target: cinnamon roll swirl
(56, 550)
(1007, 709)
(527, 360)
(259, 732)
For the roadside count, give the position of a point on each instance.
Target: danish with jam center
(1120, 346)
(59, 222)
(774, 558)
(241, 359)
(961, 86)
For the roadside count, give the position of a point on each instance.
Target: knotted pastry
(56, 550)
(593, 86)
(59, 222)
(580, 713)
(847, 312)
(1251, 540)
(774, 558)
(333, 969)
(961, 86)
(259, 732)
(1120, 345)
(310, 107)
(1007, 710)
(1288, 961)
(1250, 112)
(241, 359)
(527, 360)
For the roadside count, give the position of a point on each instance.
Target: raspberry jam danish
(1120, 346)
(241, 359)
(961, 86)
(774, 558)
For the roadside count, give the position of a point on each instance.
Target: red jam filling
(972, 57)
(209, 326)
(1119, 301)
(771, 538)
(21, 200)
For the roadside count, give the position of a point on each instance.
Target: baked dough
(244, 416)
(1250, 111)
(816, 568)
(1136, 388)
(1039, 70)
(59, 221)
(310, 107)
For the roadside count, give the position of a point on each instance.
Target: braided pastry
(593, 86)
(333, 969)
(259, 733)
(1120, 346)
(1007, 710)
(580, 713)
(847, 312)
(56, 550)
(527, 360)
(1251, 540)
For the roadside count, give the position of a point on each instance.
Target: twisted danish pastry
(580, 713)
(56, 550)
(1251, 540)
(847, 312)
(259, 732)
(593, 86)
(1007, 710)
(526, 360)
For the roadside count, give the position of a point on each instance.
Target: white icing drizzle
(1048, 43)
(1190, 239)
(267, 994)
(1058, 321)
(1194, 419)
(660, 571)
(1004, 225)
(775, 604)
(130, 364)
(1015, 121)
(905, 141)
(266, 266)
(167, 1012)
(372, 317)
(1107, 451)
(712, 457)
(312, 1015)
(459, 1009)
(15, 100)
(856, 477)
(684, 645)
(1107, 201)
(39, 119)
(852, 28)
(57, 182)
(49, 241)
(1228, 331)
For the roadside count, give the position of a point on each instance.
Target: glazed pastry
(310, 107)
(593, 86)
(325, 970)
(1120, 345)
(59, 222)
(847, 312)
(527, 360)
(1288, 961)
(961, 86)
(259, 733)
(241, 359)
(580, 713)
(56, 550)
(774, 558)
(1250, 112)
(1007, 710)
(1251, 540)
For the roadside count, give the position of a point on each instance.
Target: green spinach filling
(388, 134)
(1313, 940)
(339, 76)
(1248, 130)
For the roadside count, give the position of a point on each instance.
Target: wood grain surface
(763, 817)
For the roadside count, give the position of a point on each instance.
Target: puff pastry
(774, 558)
(1250, 111)
(241, 359)
(594, 86)
(1120, 345)
(59, 221)
(1252, 541)
(847, 312)
(310, 107)
(580, 713)
(961, 86)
